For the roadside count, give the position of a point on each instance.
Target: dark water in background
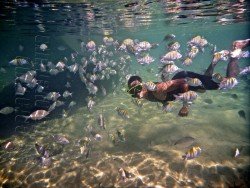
(148, 152)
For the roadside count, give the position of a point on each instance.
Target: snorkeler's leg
(210, 69)
(233, 67)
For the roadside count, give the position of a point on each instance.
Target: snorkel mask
(135, 89)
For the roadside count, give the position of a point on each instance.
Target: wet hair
(131, 79)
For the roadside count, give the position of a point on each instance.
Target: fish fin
(176, 97)
(26, 118)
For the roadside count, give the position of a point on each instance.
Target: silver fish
(67, 94)
(7, 110)
(42, 67)
(71, 104)
(60, 139)
(53, 72)
(194, 82)
(40, 89)
(43, 47)
(37, 115)
(90, 104)
(73, 68)
(20, 90)
(245, 71)
(53, 96)
(101, 121)
(18, 61)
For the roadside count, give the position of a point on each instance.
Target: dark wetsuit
(207, 84)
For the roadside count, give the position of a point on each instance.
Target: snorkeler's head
(134, 85)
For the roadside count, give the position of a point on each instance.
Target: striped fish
(188, 61)
(122, 112)
(193, 52)
(188, 96)
(194, 82)
(174, 46)
(172, 55)
(228, 83)
(216, 77)
(192, 153)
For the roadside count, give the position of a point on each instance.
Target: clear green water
(148, 153)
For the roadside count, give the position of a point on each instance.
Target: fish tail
(26, 118)
(177, 97)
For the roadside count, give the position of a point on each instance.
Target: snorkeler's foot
(183, 111)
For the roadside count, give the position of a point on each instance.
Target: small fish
(40, 89)
(60, 139)
(146, 60)
(193, 82)
(151, 86)
(187, 61)
(71, 104)
(8, 145)
(53, 96)
(3, 70)
(43, 47)
(96, 136)
(20, 90)
(46, 161)
(174, 46)
(7, 110)
(192, 153)
(40, 149)
(61, 48)
(42, 67)
(222, 55)
(73, 68)
(172, 55)
(193, 52)
(18, 61)
(237, 153)
(91, 46)
(53, 72)
(37, 115)
(228, 83)
(90, 104)
(188, 96)
(121, 135)
(216, 77)
(122, 112)
(67, 85)
(66, 94)
(168, 107)
(101, 121)
(60, 66)
(169, 68)
(245, 71)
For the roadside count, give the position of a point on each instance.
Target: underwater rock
(242, 114)
(208, 101)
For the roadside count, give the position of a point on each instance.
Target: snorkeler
(167, 91)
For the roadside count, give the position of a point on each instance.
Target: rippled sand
(148, 154)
